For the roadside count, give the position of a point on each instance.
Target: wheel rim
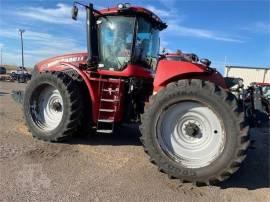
(191, 133)
(46, 107)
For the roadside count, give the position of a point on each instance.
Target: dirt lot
(108, 167)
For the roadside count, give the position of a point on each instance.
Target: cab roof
(135, 10)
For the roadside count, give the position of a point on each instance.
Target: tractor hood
(56, 63)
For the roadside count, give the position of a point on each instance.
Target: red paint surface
(169, 70)
(129, 71)
(134, 9)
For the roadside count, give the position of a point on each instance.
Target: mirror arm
(94, 10)
(76, 2)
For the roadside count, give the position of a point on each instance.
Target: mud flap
(18, 96)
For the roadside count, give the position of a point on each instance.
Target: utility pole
(1, 56)
(21, 31)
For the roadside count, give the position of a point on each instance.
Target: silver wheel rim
(191, 133)
(46, 107)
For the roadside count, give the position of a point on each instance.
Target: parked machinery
(254, 100)
(21, 75)
(257, 103)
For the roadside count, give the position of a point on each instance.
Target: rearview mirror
(74, 12)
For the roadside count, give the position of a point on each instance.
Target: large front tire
(193, 130)
(52, 106)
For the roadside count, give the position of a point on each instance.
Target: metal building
(249, 74)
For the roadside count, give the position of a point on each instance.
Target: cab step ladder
(109, 104)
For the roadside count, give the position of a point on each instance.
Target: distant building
(249, 74)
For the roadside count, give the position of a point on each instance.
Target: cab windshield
(115, 41)
(120, 45)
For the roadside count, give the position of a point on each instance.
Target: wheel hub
(57, 106)
(47, 107)
(192, 129)
(191, 133)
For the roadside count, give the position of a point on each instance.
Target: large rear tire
(52, 106)
(194, 130)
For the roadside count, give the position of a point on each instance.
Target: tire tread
(228, 99)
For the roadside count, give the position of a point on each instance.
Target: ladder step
(113, 91)
(109, 100)
(104, 131)
(105, 120)
(106, 110)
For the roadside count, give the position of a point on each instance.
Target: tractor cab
(122, 35)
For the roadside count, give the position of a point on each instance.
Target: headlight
(127, 5)
(120, 6)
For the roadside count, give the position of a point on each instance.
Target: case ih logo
(71, 59)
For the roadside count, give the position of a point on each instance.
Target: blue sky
(238, 30)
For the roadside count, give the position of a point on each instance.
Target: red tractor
(191, 125)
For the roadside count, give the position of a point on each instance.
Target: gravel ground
(108, 167)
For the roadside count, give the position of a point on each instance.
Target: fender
(65, 66)
(169, 70)
(70, 61)
(93, 96)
